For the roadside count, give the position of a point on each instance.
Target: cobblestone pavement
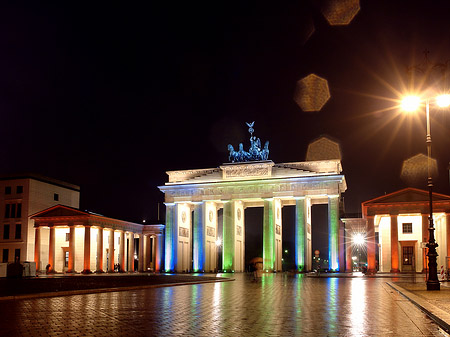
(277, 305)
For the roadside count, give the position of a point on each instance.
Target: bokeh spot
(311, 93)
(323, 148)
(340, 12)
(415, 170)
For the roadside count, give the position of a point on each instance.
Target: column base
(86, 271)
(433, 285)
(100, 271)
(395, 271)
(111, 271)
(371, 271)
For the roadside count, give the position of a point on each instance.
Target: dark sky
(111, 96)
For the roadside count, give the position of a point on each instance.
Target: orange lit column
(141, 253)
(371, 268)
(100, 250)
(146, 251)
(87, 250)
(157, 256)
(447, 219)
(425, 239)
(111, 251)
(348, 253)
(131, 252)
(51, 250)
(70, 268)
(37, 247)
(122, 252)
(394, 244)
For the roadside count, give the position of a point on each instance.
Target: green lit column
(333, 233)
(228, 236)
(300, 235)
(268, 236)
(170, 240)
(199, 237)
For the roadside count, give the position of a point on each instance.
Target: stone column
(146, 252)
(157, 256)
(447, 239)
(51, 250)
(141, 253)
(111, 251)
(100, 250)
(87, 250)
(300, 235)
(131, 252)
(122, 252)
(394, 244)
(171, 238)
(199, 237)
(268, 236)
(348, 253)
(37, 247)
(371, 267)
(333, 229)
(71, 265)
(228, 236)
(342, 251)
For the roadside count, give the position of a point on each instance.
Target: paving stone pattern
(277, 305)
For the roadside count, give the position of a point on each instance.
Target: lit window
(407, 228)
(67, 237)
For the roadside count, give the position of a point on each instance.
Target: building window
(6, 232)
(18, 234)
(67, 237)
(66, 259)
(7, 211)
(19, 210)
(5, 255)
(7, 189)
(17, 255)
(56, 197)
(407, 228)
(19, 189)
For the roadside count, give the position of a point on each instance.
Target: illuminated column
(371, 268)
(425, 233)
(87, 250)
(131, 252)
(300, 234)
(122, 252)
(199, 237)
(141, 253)
(342, 251)
(111, 251)
(146, 250)
(100, 250)
(333, 229)
(157, 256)
(228, 236)
(37, 247)
(51, 250)
(447, 239)
(394, 244)
(268, 236)
(170, 240)
(71, 263)
(348, 253)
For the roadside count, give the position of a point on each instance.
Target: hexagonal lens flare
(340, 12)
(415, 170)
(311, 93)
(323, 149)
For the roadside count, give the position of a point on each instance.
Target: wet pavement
(277, 305)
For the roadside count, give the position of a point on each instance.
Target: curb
(105, 290)
(439, 316)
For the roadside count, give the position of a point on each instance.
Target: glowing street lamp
(359, 240)
(412, 103)
(218, 245)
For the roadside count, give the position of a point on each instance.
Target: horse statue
(234, 155)
(265, 151)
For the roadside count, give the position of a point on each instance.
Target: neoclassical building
(70, 240)
(400, 222)
(193, 198)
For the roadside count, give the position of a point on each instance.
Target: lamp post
(411, 103)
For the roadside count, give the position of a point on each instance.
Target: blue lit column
(170, 239)
(333, 233)
(268, 236)
(300, 234)
(199, 237)
(228, 236)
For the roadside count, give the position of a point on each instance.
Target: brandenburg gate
(194, 197)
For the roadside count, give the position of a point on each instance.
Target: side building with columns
(398, 223)
(20, 196)
(193, 198)
(70, 240)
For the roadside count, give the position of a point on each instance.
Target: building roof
(41, 178)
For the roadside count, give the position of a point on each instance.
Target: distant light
(353, 258)
(286, 251)
(358, 239)
(219, 242)
(143, 221)
(410, 103)
(443, 101)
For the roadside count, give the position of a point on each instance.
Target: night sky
(110, 96)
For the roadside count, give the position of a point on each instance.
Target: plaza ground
(277, 305)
